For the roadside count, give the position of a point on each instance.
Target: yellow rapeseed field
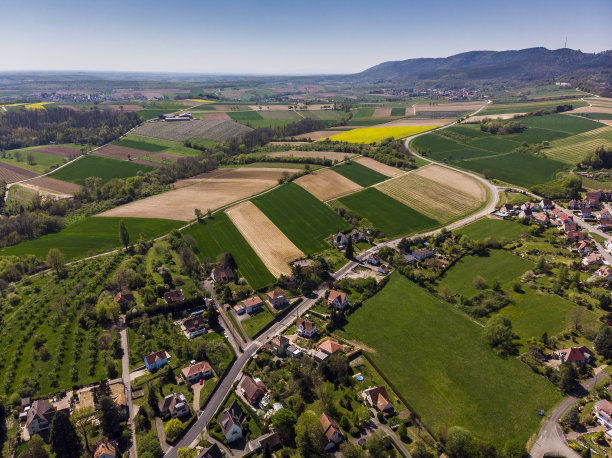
(201, 100)
(36, 106)
(376, 134)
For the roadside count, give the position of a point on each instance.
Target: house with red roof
(124, 298)
(331, 432)
(331, 347)
(277, 298)
(156, 359)
(197, 371)
(252, 390)
(379, 399)
(565, 217)
(592, 260)
(337, 299)
(305, 328)
(604, 272)
(174, 296)
(574, 236)
(575, 355)
(252, 305)
(603, 413)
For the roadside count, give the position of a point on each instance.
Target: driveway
(196, 387)
(127, 383)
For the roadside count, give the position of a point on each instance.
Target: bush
(173, 429)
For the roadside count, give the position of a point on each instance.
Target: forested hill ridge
(525, 65)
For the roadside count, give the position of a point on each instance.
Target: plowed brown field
(379, 167)
(12, 173)
(62, 151)
(54, 185)
(120, 152)
(327, 184)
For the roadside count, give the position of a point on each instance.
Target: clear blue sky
(270, 36)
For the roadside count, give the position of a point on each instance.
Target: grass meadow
(501, 230)
(98, 166)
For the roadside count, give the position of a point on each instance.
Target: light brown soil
(382, 113)
(55, 185)
(604, 108)
(418, 122)
(479, 118)
(11, 173)
(120, 152)
(379, 166)
(127, 107)
(318, 135)
(318, 154)
(327, 184)
(217, 117)
(216, 190)
(453, 179)
(222, 107)
(166, 157)
(271, 245)
(456, 106)
(62, 151)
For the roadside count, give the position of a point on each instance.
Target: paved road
(125, 375)
(233, 337)
(551, 439)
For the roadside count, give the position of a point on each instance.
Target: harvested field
(271, 245)
(479, 118)
(453, 179)
(127, 107)
(54, 185)
(211, 191)
(603, 108)
(334, 156)
(327, 184)
(217, 117)
(382, 113)
(61, 151)
(12, 173)
(166, 157)
(120, 152)
(379, 166)
(179, 131)
(318, 135)
(418, 122)
(466, 106)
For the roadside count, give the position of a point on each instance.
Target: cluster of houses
(124, 298)
(340, 240)
(276, 298)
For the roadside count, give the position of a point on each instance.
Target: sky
(283, 37)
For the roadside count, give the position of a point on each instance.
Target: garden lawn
(219, 235)
(98, 166)
(255, 323)
(95, 234)
(440, 362)
(363, 176)
(498, 228)
(300, 216)
(387, 214)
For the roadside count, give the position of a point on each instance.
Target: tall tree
(82, 419)
(65, 442)
(350, 251)
(110, 419)
(124, 235)
(55, 260)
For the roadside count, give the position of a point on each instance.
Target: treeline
(542, 112)
(564, 187)
(393, 153)
(601, 158)
(22, 128)
(501, 126)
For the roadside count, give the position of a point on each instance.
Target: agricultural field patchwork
(179, 131)
(530, 106)
(499, 229)
(379, 167)
(572, 150)
(11, 173)
(327, 184)
(33, 159)
(376, 134)
(360, 174)
(334, 156)
(98, 166)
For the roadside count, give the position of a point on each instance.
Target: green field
(245, 116)
(497, 228)
(141, 145)
(529, 106)
(561, 122)
(300, 216)
(41, 164)
(255, 323)
(168, 146)
(219, 235)
(387, 214)
(398, 111)
(95, 234)
(363, 176)
(152, 113)
(439, 361)
(98, 166)
(596, 115)
(323, 115)
(573, 149)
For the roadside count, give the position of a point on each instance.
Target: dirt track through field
(334, 156)
(453, 179)
(271, 245)
(327, 184)
(381, 113)
(120, 152)
(379, 167)
(54, 185)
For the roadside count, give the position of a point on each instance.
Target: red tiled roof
(329, 426)
(252, 301)
(333, 295)
(198, 368)
(155, 356)
(276, 294)
(307, 324)
(576, 354)
(331, 347)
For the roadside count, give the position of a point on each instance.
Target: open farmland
(301, 216)
(360, 174)
(376, 134)
(93, 234)
(120, 152)
(327, 184)
(210, 191)
(271, 245)
(334, 156)
(500, 229)
(217, 116)
(462, 107)
(218, 235)
(40, 162)
(381, 113)
(379, 167)
(62, 151)
(11, 174)
(62, 187)
(436, 122)
(179, 131)
(527, 107)
(156, 145)
(139, 144)
(437, 192)
(98, 166)
(388, 215)
(572, 150)
(317, 135)
(450, 375)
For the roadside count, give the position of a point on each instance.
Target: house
(271, 440)
(340, 240)
(576, 355)
(252, 305)
(603, 412)
(39, 417)
(331, 431)
(608, 245)
(252, 390)
(384, 269)
(337, 299)
(231, 421)
(280, 344)
(294, 352)
(568, 226)
(594, 195)
(156, 359)
(174, 296)
(585, 210)
(305, 328)
(604, 272)
(121, 403)
(379, 399)
(194, 326)
(277, 298)
(106, 449)
(358, 237)
(574, 204)
(238, 309)
(529, 206)
(574, 236)
(174, 405)
(212, 452)
(565, 217)
(556, 213)
(542, 219)
(124, 298)
(197, 371)
(604, 214)
(605, 223)
(583, 248)
(591, 260)
(546, 204)
(222, 274)
(423, 253)
(373, 259)
(320, 356)
(506, 210)
(331, 347)
(410, 259)
(525, 214)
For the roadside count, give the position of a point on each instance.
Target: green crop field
(363, 113)
(281, 115)
(219, 235)
(41, 163)
(440, 362)
(95, 234)
(300, 216)
(561, 122)
(499, 229)
(255, 323)
(363, 176)
(152, 113)
(529, 106)
(572, 150)
(398, 111)
(168, 146)
(139, 144)
(387, 214)
(323, 115)
(245, 116)
(97, 166)
(596, 115)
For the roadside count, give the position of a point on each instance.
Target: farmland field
(334, 156)
(529, 106)
(182, 130)
(218, 235)
(139, 145)
(379, 167)
(11, 173)
(300, 216)
(57, 150)
(94, 234)
(488, 227)
(120, 152)
(387, 214)
(271, 245)
(360, 174)
(54, 185)
(450, 375)
(573, 149)
(327, 184)
(97, 166)
(376, 134)
(155, 145)
(323, 115)
(42, 162)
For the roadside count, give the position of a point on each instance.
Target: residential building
(604, 272)
(124, 298)
(231, 422)
(156, 359)
(222, 274)
(320, 356)
(331, 431)
(197, 371)
(212, 452)
(525, 214)
(605, 223)
(556, 213)
(541, 219)
(294, 352)
(592, 260)
(576, 355)
(506, 210)
(277, 298)
(305, 328)
(585, 211)
(252, 390)
(340, 240)
(565, 217)
(252, 305)
(373, 259)
(39, 417)
(384, 269)
(379, 399)
(358, 237)
(106, 449)
(604, 214)
(423, 253)
(583, 248)
(272, 440)
(608, 245)
(337, 299)
(603, 412)
(194, 326)
(174, 296)
(331, 347)
(574, 204)
(546, 204)
(574, 236)
(174, 404)
(568, 226)
(280, 344)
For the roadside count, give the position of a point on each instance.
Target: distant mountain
(525, 65)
